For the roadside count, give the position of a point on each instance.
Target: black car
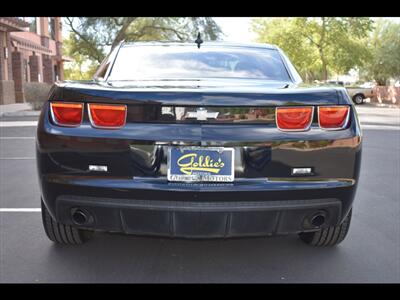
(215, 140)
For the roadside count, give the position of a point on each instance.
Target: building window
(26, 70)
(52, 28)
(32, 23)
(55, 73)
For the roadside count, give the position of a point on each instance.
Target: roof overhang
(25, 44)
(67, 58)
(12, 24)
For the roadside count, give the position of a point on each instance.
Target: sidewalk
(17, 109)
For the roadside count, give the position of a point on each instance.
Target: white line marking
(19, 124)
(20, 209)
(5, 158)
(17, 137)
(380, 127)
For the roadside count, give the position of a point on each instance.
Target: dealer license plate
(201, 164)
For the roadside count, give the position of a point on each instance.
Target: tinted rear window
(186, 62)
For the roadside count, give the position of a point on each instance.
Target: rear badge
(301, 171)
(98, 168)
(201, 114)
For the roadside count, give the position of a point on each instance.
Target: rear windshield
(187, 62)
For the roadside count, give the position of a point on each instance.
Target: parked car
(215, 140)
(359, 94)
(368, 84)
(335, 82)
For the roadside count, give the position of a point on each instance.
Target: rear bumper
(156, 207)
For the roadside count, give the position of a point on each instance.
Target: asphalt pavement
(370, 253)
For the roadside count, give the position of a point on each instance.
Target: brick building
(31, 51)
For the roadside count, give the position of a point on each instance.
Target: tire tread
(61, 233)
(331, 236)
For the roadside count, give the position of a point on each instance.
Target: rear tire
(330, 236)
(63, 234)
(358, 99)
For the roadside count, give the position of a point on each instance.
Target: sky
(236, 29)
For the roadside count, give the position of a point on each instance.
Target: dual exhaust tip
(81, 217)
(318, 219)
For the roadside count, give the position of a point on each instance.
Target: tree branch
(178, 33)
(83, 38)
(122, 32)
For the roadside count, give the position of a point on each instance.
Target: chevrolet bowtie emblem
(201, 114)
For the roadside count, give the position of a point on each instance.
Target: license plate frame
(228, 153)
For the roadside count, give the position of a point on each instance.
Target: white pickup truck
(358, 94)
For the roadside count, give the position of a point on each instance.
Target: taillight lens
(107, 115)
(333, 117)
(67, 114)
(294, 118)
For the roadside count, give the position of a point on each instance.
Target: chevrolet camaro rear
(217, 141)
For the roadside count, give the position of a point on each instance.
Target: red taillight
(67, 114)
(333, 117)
(294, 118)
(107, 115)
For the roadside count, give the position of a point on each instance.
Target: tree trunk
(381, 81)
(324, 64)
(324, 71)
(321, 51)
(122, 32)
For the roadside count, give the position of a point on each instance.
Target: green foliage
(80, 68)
(318, 45)
(384, 45)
